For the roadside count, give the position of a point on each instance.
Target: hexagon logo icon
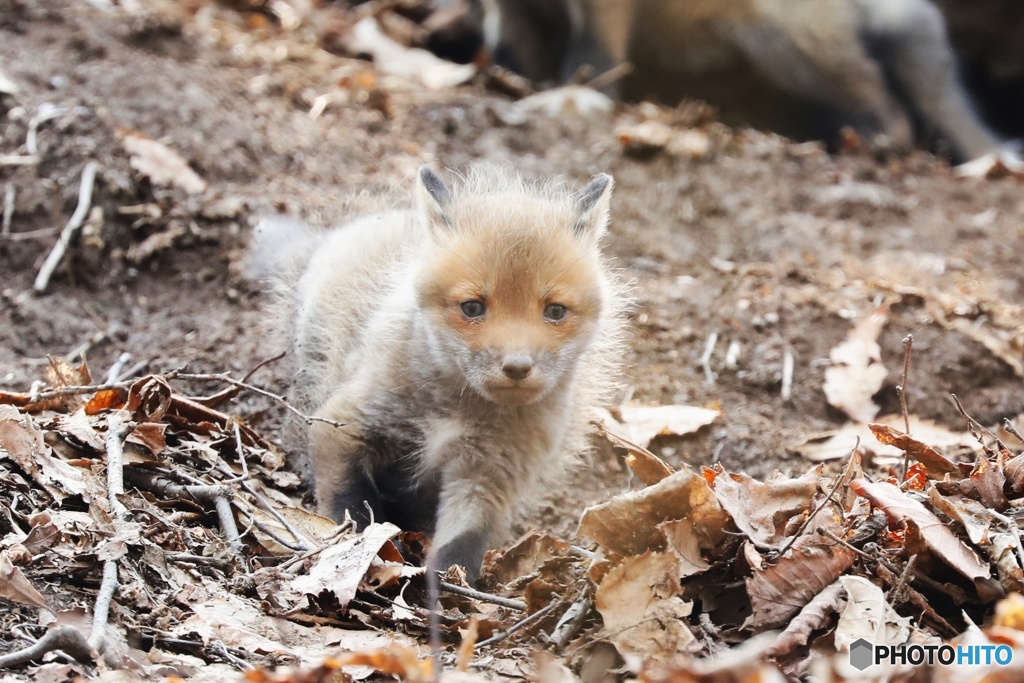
(862, 654)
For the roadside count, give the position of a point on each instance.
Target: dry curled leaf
(762, 509)
(937, 535)
(628, 524)
(780, 590)
(638, 601)
(936, 465)
(15, 586)
(869, 616)
(340, 568)
(815, 615)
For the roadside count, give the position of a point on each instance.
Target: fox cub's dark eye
(473, 309)
(555, 311)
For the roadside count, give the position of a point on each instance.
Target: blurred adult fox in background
(803, 68)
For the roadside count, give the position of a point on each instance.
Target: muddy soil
(773, 245)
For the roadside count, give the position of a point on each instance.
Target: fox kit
(460, 345)
(800, 67)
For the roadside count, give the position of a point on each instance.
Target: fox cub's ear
(592, 203)
(433, 197)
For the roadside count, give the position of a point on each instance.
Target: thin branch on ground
(894, 597)
(81, 211)
(101, 610)
(224, 377)
(227, 394)
(116, 431)
(67, 639)
(9, 196)
(118, 367)
(18, 159)
(901, 390)
(300, 540)
(705, 359)
(186, 558)
(218, 496)
(1008, 426)
(570, 622)
(973, 426)
(46, 112)
(518, 605)
(521, 624)
(787, 375)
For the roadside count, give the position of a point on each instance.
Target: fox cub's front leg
(342, 466)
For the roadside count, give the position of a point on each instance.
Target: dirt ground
(775, 245)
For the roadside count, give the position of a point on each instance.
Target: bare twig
(46, 112)
(1008, 426)
(973, 426)
(81, 211)
(18, 159)
(101, 610)
(232, 391)
(264, 529)
(31, 234)
(787, 375)
(894, 592)
(570, 622)
(186, 558)
(518, 605)
(705, 359)
(67, 639)
(224, 377)
(901, 391)
(116, 430)
(118, 367)
(300, 540)
(523, 623)
(218, 496)
(9, 195)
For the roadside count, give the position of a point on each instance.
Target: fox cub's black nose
(517, 367)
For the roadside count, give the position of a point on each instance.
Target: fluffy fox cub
(460, 344)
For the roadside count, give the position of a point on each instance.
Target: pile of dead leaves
(215, 565)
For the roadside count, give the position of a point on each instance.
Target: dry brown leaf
(780, 590)
(646, 422)
(108, 399)
(149, 435)
(628, 524)
(15, 586)
(838, 444)
(340, 568)
(857, 373)
(761, 510)
(815, 615)
(550, 669)
(938, 536)
(21, 441)
(526, 556)
(648, 468)
(869, 616)
(975, 517)
(935, 465)
(161, 165)
(638, 601)
(683, 541)
(155, 243)
(988, 480)
(62, 374)
(149, 398)
(1003, 553)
